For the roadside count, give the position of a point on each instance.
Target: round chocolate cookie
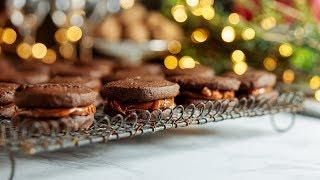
(199, 70)
(140, 90)
(76, 70)
(54, 96)
(89, 82)
(198, 82)
(7, 91)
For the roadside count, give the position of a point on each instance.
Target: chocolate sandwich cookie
(199, 70)
(256, 83)
(89, 82)
(105, 67)
(198, 89)
(55, 106)
(33, 66)
(126, 95)
(7, 106)
(25, 77)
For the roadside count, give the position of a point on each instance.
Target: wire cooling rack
(35, 139)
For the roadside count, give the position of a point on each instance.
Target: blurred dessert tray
(105, 128)
(129, 50)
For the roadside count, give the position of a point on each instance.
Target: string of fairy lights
(229, 33)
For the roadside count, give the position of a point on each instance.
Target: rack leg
(279, 129)
(12, 163)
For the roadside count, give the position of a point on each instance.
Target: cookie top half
(140, 90)
(54, 96)
(214, 83)
(89, 82)
(253, 79)
(199, 70)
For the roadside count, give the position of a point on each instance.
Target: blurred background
(280, 36)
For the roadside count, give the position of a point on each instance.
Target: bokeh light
(314, 82)
(206, 2)
(9, 36)
(288, 76)
(199, 35)
(234, 18)
(228, 34)
(174, 47)
(270, 64)
(317, 95)
(66, 50)
(50, 57)
(192, 3)
(187, 62)
(197, 11)
(268, 23)
(285, 50)
(170, 62)
(74, 33)
(240, 67)
(238, 56)
(179, 13)
(248, 34)
(207, 12)
(39, 50)
(61, 35)
(24, 51)
(126, 4)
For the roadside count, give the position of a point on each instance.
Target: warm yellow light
(207, 12)
(199, 35)
(285, 50)
(50, 57)
(66, 50)
(228, 34)
(288, 76)
(268, 23)
(270, 64)
(315, 82)
(9, 36)
(24, 50)
(174, 47)
(206, 2)
(179, 13)
(74, 33)
(170, 62)
(39, 50)
(197, 11)
(248, 34)
(234, 18)
(126, 4)
(192, 3)
(238, 56)
(61, 35)
(240, 67)
(317, 95)
(187, 62)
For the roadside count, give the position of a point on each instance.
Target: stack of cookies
(64, 96)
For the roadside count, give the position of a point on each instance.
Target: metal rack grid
(36, 140)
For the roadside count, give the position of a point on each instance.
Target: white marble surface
(242, 149)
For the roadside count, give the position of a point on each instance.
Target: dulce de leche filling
(152, 105)
(57, 113)
(260, 91)
(209, 94)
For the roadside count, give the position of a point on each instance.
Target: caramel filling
(260, 91)
(209, 94)
(57, 113)
(152, 105)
